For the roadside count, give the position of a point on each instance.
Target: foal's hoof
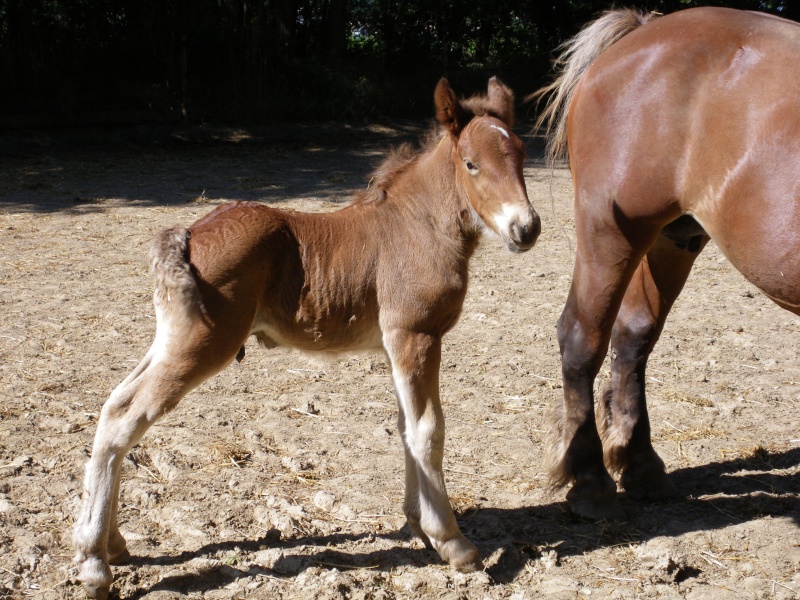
(461, 555)
(96, 577)
(96, 593)
(595, 500)
(120, 558)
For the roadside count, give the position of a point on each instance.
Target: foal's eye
(471, 167)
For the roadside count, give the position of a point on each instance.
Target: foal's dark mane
(389, 171)
(395, 165)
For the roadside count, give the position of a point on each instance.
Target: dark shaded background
(111, 62)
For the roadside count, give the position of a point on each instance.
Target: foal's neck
(437, 191)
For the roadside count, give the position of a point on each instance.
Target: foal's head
(490, 158)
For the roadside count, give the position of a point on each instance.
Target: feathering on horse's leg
(622, 414)
(415, 362)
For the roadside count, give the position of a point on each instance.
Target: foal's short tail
(176, 289)
(576, 56)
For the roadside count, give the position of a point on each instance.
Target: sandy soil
(282, 476)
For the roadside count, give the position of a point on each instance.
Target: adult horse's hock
(388, 272)
(678, 129)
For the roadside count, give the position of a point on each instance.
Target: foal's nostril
(525, 233)
(535, 229)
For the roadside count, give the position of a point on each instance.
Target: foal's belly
(346, 335)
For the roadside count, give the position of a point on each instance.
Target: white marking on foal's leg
(421, 439)
(415, 361)
(96, 523)
(133, 406)
(411, 503)
(424, 438)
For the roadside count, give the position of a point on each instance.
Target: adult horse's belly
(755, 221)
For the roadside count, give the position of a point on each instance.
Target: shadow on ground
(717, 495)
(84, 172)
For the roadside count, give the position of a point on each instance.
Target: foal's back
(331, 281)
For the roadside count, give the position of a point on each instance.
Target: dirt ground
(282, 476)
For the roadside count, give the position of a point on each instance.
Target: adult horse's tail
(576, 56)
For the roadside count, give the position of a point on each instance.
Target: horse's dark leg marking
(622, 416)
(606, 259)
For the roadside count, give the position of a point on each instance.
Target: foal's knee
(426, 442)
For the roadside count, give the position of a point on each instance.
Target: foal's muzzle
(524, 233)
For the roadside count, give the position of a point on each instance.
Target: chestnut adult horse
(678, 129)
(388, 272)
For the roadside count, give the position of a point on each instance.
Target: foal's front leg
(415, 359)
(411, 504)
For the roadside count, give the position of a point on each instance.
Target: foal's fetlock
(460, 554)
(95, 576)
(416, 529)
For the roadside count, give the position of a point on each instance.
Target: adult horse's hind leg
(169, 370)
(622, 417)
(606, 258)
(415, 359)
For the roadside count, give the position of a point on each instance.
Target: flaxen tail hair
(576, 56)
(176, 289)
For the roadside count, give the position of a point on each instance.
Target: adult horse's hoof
(595, 500)
(651, 486)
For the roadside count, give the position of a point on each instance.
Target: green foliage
(256, 60)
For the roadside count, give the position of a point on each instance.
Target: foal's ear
(500, 100)
(449, 111)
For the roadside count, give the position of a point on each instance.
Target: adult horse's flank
(679, 129)
(388, 272)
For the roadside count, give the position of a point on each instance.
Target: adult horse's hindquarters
(679, 129)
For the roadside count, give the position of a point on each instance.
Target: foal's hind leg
(415, 359)
(170, 369)
(622, 411)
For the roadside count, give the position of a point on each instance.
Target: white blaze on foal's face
(501, 130)
(508, 214)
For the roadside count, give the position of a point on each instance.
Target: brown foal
(388, 272)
